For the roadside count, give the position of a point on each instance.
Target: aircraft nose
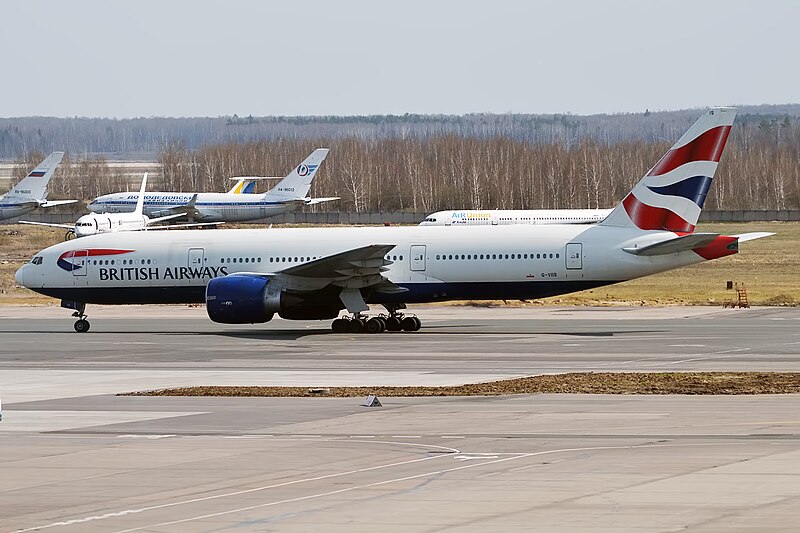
(20, 275)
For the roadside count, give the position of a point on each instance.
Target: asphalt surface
(76, 457)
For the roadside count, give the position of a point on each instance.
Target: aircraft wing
(358, 262)
(54, 203)
(189, 210)
(359, 268)
(65, 226)
(168, 217)
(177, 226)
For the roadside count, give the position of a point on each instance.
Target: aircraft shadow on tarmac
(295, 334)
(286, 334)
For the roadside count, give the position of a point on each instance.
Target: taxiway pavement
(76, 457)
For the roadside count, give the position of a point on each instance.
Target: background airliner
(31, 192)
(236, 206)
(114, 222)
(247, 276)
(504, 217)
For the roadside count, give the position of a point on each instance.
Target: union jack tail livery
(671, 195)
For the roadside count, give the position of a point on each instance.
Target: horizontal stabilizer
(744, 237)
(54, 203)
(672, 246)
(254, 178)
(314, 201)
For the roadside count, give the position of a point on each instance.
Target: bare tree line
(144, 138)
(760, 170)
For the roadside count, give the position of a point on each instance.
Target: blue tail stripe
(694, 189)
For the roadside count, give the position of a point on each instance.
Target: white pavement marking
(255, 489)
(511, 457)
(401, 479)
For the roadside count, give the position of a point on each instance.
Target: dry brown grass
(768, 267)
(691, 383)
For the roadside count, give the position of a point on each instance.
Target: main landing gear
(81, 325)
(359, 323)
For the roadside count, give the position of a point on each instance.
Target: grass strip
(688, 383)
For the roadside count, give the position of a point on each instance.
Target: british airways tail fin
(34, 185)
(671, 195)
(296, 185)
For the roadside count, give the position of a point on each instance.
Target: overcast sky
(104, 58)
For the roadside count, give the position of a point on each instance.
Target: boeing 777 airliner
(248, 276)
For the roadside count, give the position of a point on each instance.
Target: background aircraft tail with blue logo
(296, 185)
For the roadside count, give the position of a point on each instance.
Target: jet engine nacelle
(253, 299)
(239, 299)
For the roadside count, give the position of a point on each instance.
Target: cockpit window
(36, 260)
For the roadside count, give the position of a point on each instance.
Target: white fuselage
(211, 206)
(433, 264)
(504, 217)
(94, 224)
(11, 207)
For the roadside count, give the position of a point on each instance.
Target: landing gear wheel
(393, 324)
(417, 323)
(81, 326)
(410, 323)
(374, 325)
(340, 325)
(357, 325)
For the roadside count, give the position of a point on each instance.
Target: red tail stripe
(647, 217)
(706, 147)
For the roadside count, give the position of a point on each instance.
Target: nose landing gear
(81, 325)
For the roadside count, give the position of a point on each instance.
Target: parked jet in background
(246, 276)
(113, 222)
(503, 217)
(287, 195)
(31, 192)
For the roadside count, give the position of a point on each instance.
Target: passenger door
(574, 256)
(196, 258)
(418, 258)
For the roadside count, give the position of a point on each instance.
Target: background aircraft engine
(239, 299)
